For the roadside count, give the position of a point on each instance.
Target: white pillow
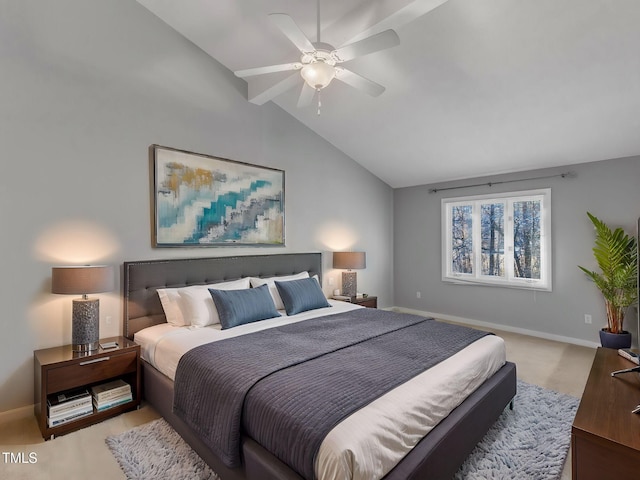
(170, 299)
(256, 282)
(197, 305)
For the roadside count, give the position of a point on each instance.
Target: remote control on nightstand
(629, 355)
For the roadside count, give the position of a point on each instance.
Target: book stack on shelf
(111, 394)
(67, 406)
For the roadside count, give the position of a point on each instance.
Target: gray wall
(86, 87)
(608, 189)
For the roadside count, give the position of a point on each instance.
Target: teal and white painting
(202, 200)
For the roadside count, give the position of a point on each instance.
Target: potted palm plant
(616, 254)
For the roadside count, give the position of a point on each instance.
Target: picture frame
(205, 201)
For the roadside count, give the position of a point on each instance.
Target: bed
(437, 455)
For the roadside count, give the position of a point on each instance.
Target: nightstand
(369, 302)
(60, 369)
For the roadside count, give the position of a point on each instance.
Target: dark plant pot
(615, 340)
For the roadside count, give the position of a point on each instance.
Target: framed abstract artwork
(200, 200)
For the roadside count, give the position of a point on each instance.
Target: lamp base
(349, 284)
(85, 326)
(85, 347)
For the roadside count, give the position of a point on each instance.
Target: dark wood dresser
(605, 436)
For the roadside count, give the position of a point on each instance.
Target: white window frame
(509, 280)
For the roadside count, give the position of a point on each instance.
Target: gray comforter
(287, 387)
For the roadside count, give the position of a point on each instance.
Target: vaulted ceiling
(476, 87)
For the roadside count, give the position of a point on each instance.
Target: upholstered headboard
(142, 307)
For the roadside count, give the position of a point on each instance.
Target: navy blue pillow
(237, 307)
(301, 295)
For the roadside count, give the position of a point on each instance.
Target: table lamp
(85, 327)
(349, 261)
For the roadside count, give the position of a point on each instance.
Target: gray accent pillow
(237, 307)
(301, 295)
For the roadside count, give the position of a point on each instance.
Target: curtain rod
(491, 184)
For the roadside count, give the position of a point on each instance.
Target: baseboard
(497, 326)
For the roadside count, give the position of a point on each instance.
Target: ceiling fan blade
(260, 97)
(292, 32)
(368, 86)
(250, 72)
(374, 43)
(306, 95)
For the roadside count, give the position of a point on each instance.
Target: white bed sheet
(370, 442)
(163, 345)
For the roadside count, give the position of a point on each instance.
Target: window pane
(492, 237)
(461, 239)
(526, 239)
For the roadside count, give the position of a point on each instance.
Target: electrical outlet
(587, 319)
(332, 281)
(108, 319)
(418, 295)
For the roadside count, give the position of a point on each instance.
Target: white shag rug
(155, 451)
(529, 442)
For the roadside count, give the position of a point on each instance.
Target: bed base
(437, 456)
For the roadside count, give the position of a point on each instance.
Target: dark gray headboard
(142, 307)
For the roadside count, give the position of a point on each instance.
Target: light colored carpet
(529, 442)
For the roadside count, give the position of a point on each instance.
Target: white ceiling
(476, 87)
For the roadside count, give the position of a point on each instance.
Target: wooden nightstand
(59, 369)
(369, 302)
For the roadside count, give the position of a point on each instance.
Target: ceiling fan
(320, 62)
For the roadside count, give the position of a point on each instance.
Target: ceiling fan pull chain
(319, 102)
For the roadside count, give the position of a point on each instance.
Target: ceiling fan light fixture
(318, 74)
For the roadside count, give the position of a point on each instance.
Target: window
(502, 240)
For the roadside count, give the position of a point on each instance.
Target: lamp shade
(318, 74)
(349, 260)
(82, 280)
